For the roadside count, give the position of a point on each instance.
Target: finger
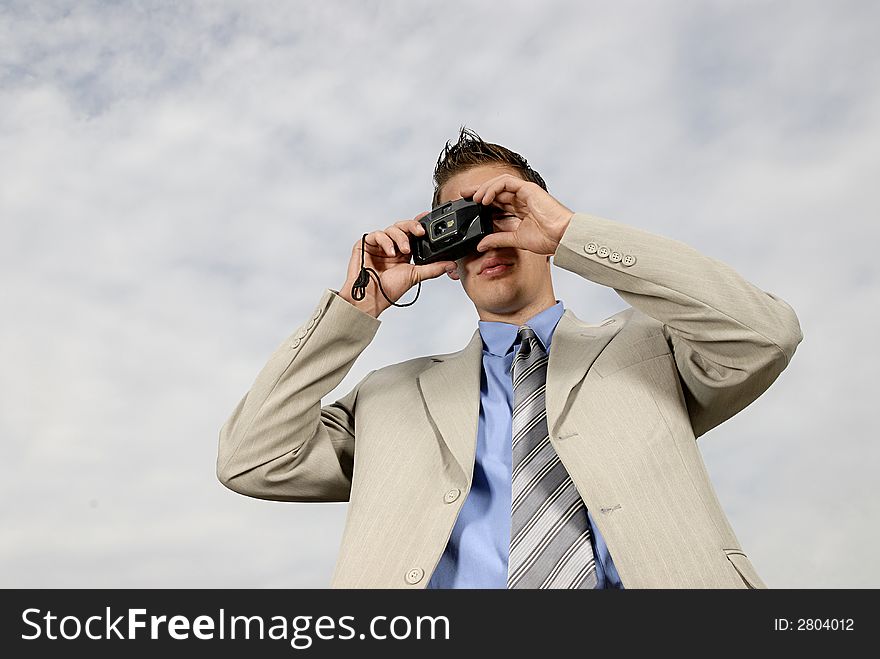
(480, 192)
(504, 199)
(381, 239)
(453, 275)
(413, 227)
(507, 183)
(433, 270)
(506, 204)
(372, 247)
(468, 191)
(399, 237)
(487, 191)
(498, 239)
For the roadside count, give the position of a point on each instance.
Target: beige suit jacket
(626, 399)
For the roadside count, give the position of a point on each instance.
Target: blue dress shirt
(477, 553)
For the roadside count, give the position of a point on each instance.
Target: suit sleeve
(730, 340)
(280, 443)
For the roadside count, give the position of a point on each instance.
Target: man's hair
(471, 151)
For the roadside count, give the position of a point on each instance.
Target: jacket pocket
(744, 568)
(617, 357)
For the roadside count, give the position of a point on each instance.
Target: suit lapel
(451, 387)
(451, 391)
(574, 348)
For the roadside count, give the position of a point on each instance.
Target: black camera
(452, 231)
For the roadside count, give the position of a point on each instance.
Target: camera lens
(437, 229)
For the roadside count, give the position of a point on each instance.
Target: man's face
(504, 280)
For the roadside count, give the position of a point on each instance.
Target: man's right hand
(388, 253)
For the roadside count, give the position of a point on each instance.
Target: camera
(452, 230)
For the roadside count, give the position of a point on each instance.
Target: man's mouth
(494, 266)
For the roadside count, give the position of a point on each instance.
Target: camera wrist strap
(359, 288)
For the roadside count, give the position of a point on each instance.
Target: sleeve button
(628, 260)
(591, 247)
(615, 257)
(603, 252)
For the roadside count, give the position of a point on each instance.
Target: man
(548, 453)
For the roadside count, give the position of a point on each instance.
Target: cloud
(181, 182)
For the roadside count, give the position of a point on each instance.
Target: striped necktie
(549, 531)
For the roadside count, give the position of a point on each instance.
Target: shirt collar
(499, 338)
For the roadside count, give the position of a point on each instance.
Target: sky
(180, 183)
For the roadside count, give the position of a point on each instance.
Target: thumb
(432, 270)
(498, 239)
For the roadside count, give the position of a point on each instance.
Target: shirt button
(590, 248)
(615, 257)
(452, 495)
(628, 259)
(415, 575)
(603, 252)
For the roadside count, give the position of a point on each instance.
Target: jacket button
(628, 259)
(295, 343)
(590, 248)
(452, 495)
(615, 257)
(603, 252)
(415, 575)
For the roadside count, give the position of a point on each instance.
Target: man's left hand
(543, 219)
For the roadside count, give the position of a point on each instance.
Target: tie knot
(529, 341)
(526, 333)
